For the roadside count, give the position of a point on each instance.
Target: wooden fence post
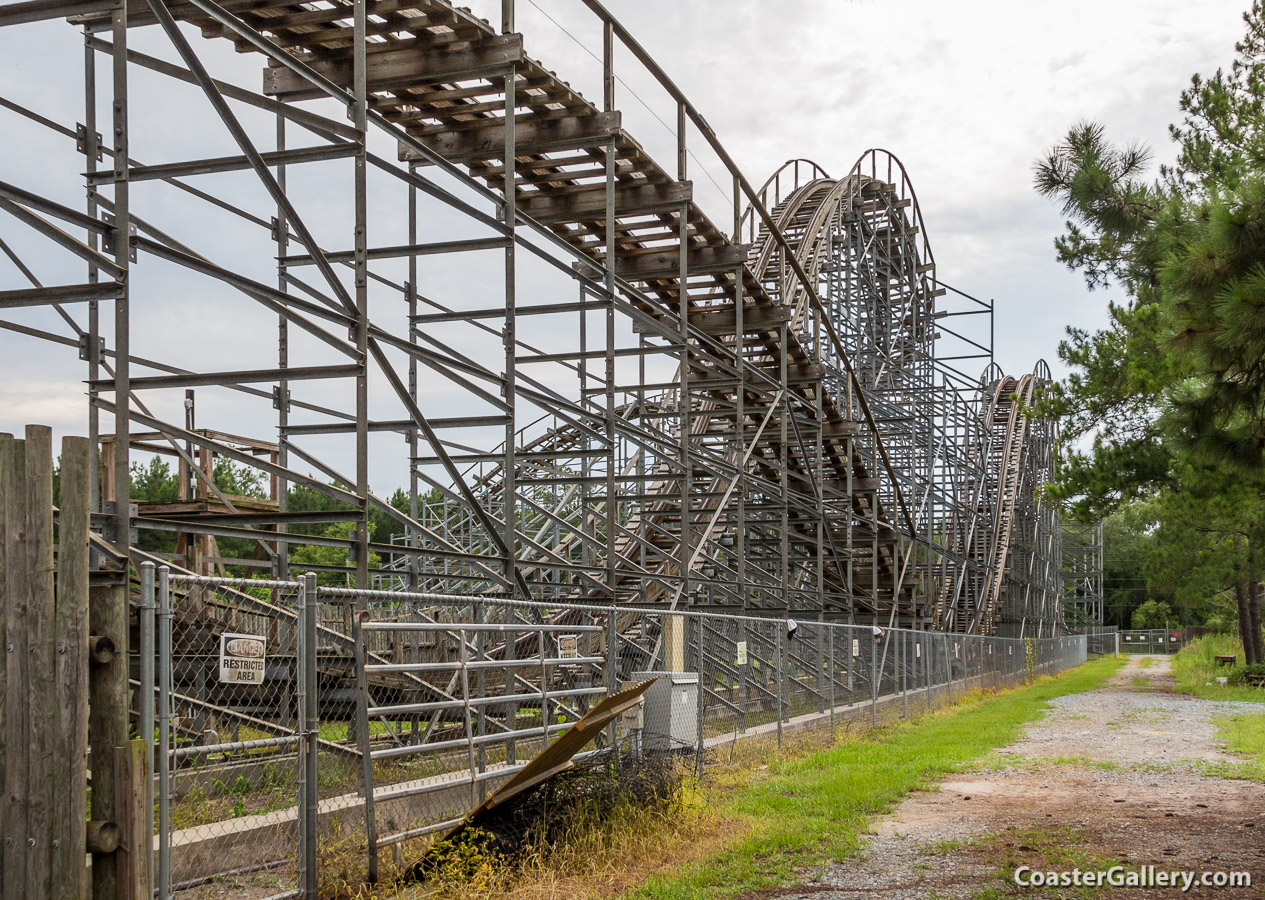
(136, 843)
(43, 678)
(70, 788)
(6, 462)
(40, 670)
(16, 723)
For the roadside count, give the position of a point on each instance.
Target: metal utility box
(670, 714)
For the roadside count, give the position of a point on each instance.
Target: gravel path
(1120, 773)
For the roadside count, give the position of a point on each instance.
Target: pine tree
(1172, 393)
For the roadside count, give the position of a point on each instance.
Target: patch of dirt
(1112, 776)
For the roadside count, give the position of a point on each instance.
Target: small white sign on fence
(242, 658)
(956, 648)
(917, 650)
(856, 647)
(568, 646)
(742, 653)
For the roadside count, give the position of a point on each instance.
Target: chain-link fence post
(366, 754)
(145, 700)
(309, 728)
(612, 672)
(923, 637)
(902, 665)
(874, 681)
(741, 650)
(948, 666)
(829, 631)
(702, 692)
(780, 654)
(472, 756)
(164, 733)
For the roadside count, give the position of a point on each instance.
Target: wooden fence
(45, 685)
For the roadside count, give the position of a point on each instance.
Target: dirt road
(1130, 774)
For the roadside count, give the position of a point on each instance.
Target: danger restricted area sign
(241, 659)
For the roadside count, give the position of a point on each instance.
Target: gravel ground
(1120, 772)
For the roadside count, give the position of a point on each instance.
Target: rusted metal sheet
(557, 757)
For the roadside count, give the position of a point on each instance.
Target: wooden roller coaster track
(803, 449)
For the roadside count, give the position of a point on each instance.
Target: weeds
(1058, 849)
(1245, 735)
(761, 816)
(1196, 669)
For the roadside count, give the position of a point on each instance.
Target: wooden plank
(41, 664)
(395, 69)
(131, 773)
(5, 441)
(39, 10)
(70, 798)
(15, 721)
(723, 320)
(666, 262)
(531, 138)
(631, 199)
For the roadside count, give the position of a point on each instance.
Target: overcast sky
(967, 94)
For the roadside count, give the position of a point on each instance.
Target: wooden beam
(664, 263)
(635, 198)
(395, 69)
(531, 138)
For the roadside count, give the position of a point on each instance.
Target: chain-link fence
(1100, 640)
(228, 702)
(309, 730)
(1152, 640)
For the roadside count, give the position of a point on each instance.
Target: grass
(1196, 669)
(595, 860)
(814, 808)
(1146, 662)
(1244, 735)
(1004, 762)
(1040, 849)
(761, 816)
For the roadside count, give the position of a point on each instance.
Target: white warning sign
(242, 659)
(568, 646)
(742, 653)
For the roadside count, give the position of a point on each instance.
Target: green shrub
(1239, 675)
(1197, 670)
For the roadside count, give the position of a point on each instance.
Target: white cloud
(967, 94)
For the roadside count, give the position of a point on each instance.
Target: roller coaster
(655, 410)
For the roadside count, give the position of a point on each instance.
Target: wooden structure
(200, 501)
(754, 403)
(44, 689)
